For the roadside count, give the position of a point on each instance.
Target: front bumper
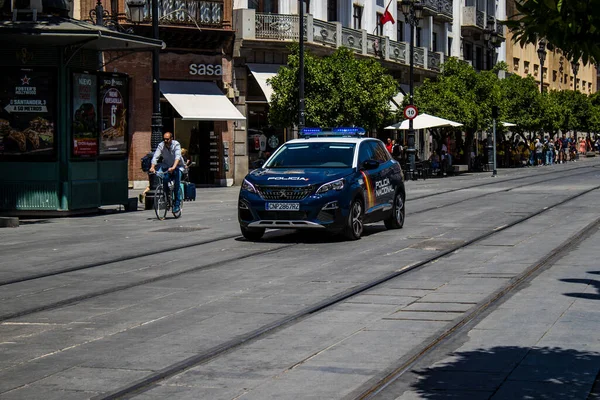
(316, 212)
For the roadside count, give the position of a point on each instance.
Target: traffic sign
(410, 112)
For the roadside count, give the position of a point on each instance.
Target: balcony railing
(186, 12)
(282, 27)
(277, 26)
(440, 8)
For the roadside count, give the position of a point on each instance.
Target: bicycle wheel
(160, 203)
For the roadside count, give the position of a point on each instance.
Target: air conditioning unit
(32, 7)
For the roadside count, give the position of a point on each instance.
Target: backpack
(147, 162)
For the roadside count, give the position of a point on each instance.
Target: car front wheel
(252, 233)
(396, 220)
(354, 225)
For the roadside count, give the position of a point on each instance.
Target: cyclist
(171, 162)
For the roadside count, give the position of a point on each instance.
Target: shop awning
(262, 72)
(199, 101)
(58, 31)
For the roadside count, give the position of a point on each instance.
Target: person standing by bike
(170, 150)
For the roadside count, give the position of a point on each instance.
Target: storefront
(263, 139)
(63, 122)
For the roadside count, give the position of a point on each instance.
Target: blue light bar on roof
(349, 130)
(339, 132)
(309, 131)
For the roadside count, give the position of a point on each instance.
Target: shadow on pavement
(312, 236)
(511, 372)
(592, 282)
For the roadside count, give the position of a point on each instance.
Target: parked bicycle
(163, 202)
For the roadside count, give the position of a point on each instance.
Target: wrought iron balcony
(282, 27)
(186, 12)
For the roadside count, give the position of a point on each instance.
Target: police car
(335, 180)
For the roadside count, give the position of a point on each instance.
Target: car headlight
(333, 185)
(248, 187)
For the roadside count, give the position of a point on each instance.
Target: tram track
(136, 256)
(514, 285)
(87, 296)
(140, 385)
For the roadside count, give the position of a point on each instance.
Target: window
(332, 14)
(516, 62)
(526, 67)
(264, 6)
(468, 51)
(380, 3)
(379, 28)
(470, 3)
(479, 58)
(418, 38)
(400, 30)
(545, 72)
(380, 153)
(434, 43)
(365, 152)
(536, 69)
(449, 51)
(357, 12)
(554, 76)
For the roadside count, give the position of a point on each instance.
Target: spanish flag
(387, 16)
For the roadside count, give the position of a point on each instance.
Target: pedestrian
(582, 146)
(550, 153)
(539, 148)
(389, 145)
(396, 151)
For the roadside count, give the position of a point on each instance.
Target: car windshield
(313, 155)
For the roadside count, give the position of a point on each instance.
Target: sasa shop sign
(206, 69)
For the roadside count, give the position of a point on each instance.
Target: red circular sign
(410, 112)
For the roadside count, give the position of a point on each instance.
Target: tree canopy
(340, 90)
(571, 25)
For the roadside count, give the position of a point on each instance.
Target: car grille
(284, 192)
(282, 215)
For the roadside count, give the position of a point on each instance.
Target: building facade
(557, 73)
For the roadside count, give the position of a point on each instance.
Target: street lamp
(301, 120)
(156, 135)
(542, 55)
(412, 10)
(575, 66)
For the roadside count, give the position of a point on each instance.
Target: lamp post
(542, 55)
(575, 66)
(412, 10)
(156, 135)
(301, 120)
(490, 37)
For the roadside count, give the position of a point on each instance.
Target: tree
(571, 25)
(340, 90)
(463, 95)
(520, 103)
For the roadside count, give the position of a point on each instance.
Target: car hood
(296, 176)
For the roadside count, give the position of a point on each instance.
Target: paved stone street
(93, 305)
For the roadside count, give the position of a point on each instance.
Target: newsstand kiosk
(63, 121)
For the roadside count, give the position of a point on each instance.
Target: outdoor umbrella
(424, 121)
(507, 124)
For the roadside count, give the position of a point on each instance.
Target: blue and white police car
(336, 180)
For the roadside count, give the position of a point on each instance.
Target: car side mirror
(370, 164)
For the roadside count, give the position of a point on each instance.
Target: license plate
(283, 206)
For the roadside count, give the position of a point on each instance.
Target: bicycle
(163, 202)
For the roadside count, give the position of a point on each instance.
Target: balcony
(438, 8)
(330, 35)
(198, 13)
(473, 18)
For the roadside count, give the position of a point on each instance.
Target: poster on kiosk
(27, 112)
(84, 115)
(113, 106)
